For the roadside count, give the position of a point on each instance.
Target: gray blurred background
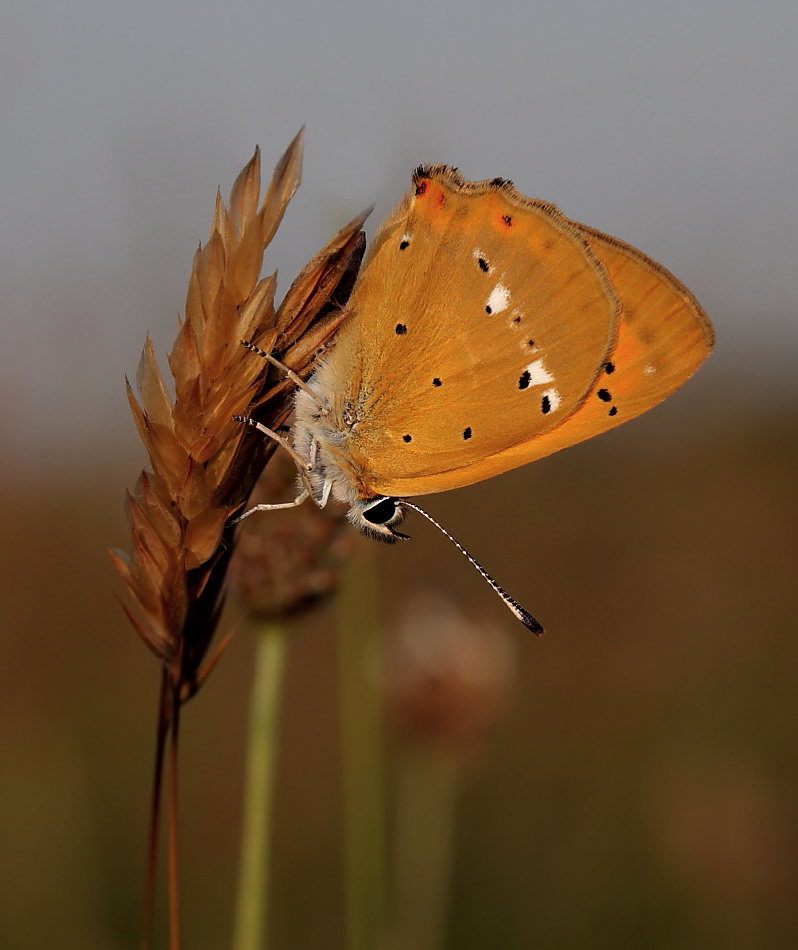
(643, 792)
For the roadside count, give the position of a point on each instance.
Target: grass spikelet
(203, 464)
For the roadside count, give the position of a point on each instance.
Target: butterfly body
(486, 330)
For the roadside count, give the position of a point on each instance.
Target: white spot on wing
(650, 370)
(554, 398)
(538, 374)
(499, 298)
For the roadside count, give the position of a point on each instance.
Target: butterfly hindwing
(664, 335)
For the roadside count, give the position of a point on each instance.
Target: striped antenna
(516, 609)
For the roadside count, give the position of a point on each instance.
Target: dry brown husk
(204, 465)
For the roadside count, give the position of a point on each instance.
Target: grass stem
(148, 903)
(424, 836)
(251, 924)
(362, 753)
(174, 890)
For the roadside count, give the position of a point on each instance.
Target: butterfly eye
(381, 511)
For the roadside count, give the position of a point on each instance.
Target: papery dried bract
(204, 464)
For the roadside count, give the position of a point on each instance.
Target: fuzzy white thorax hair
(321, 436)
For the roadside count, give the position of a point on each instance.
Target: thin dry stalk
(174, 891)
(164, 719)
(204, 465)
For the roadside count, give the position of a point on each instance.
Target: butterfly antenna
(296, 380)
(524, 616)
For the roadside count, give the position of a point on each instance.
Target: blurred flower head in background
(286, 561)
(447, 678)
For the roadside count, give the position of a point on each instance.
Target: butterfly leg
(286, 504)
(303, 467)
(325, 492)
(296, 380)
(325, 495)
(300, 498)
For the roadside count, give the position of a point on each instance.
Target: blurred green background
(641, 790)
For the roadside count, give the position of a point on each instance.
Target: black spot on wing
(400, 329)
(609, 368)
(604, 395)
(614, 410)
(407, 438)
(467, 432)
(404, 244)
(483, 264)
(545, 405)
(523, 382)
(436, 382)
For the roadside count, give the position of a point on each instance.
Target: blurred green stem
(361, 750)
(426, 792)
(253, 890)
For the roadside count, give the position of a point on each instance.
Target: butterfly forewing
(481, 321)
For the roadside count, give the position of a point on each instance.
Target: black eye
(380, 512)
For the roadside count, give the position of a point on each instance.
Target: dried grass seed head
(204, 465)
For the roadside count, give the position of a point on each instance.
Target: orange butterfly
(486, 330)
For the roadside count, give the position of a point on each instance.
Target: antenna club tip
(531, 624)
